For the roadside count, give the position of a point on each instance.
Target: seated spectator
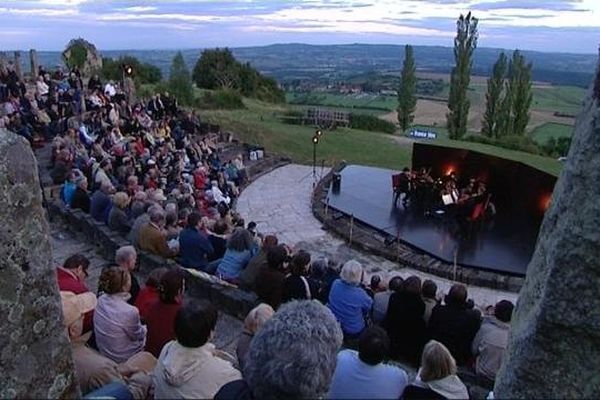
(100, 202)
(152, 236)
(188, 367)
(429, 295)
(126, 258)
(93, 370)
(249, 274)
(240, 249)
(324, 273)
(491, 342)
(349, 302)
(218, 239)
(81, 197)
(141, 220)
(375, 286)
(252, 324)
(270, 279)
(404, 321)
(119, 332)
(382, 299)
(149, 293)
(362, 374)
(297, 285)
(160, 318)
(194, 246)
(68, 190)
(436, 378)
(293, 356)
(71, 278)
(454, 324)
(117, 217)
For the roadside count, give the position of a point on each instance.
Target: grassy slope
(542, 133)
(259, 124)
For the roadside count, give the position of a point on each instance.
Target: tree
(216, 69)
(112, 69)
(180, 80)
(493, 98)
(458, 103)
(407, 100)
(519, 90)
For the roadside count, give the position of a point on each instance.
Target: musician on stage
(403, 185)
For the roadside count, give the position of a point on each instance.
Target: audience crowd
(150, 173)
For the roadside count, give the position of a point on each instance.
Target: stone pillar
(554, 348)
(35, 356)
(33, 58)
(18, 68)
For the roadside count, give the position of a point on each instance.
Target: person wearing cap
(92, 369)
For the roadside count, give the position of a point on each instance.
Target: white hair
(352, 272)
(124, 254)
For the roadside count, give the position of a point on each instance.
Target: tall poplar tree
(180, 80)
(493, 98)
(407, 99)
(521, 94)
(458, 102)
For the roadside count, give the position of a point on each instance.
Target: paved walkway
(279, 202)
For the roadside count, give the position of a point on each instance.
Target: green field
(259, 124)
(354, 101)
(543, 133)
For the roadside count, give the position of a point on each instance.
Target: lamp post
(315, 140)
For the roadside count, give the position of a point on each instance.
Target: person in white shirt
(109, 89)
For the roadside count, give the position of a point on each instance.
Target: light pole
(315, 140)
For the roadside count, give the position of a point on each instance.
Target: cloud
(137, 9)
(554, 5)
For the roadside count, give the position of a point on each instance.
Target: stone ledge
(365, 238)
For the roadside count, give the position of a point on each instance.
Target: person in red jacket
(71, 278)
(160, 318)
(149, 293)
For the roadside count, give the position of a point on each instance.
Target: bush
(511, 142)
(224, 99)
(371, 123)
(112, 69)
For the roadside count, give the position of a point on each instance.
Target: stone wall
(35, 358)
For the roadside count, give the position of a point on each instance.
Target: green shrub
(224, 99)
(112, 69)
(511, 142)
(371, 123)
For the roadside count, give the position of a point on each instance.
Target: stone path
(279, 202)
(65, 244)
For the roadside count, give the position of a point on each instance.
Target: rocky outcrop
(91, 60)
(554, 349)
(35, 357)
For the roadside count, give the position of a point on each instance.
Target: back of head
(457, 295)
(257, 317)
(220, 227)
(436, 362)
(503, 310)
(240, 240)
(194, 323)
(293, 356)
(157, 214)
(352, 272)
(113, 280)
(170, 286)
(276, 256)
(429, 289)
(75, 261)
(269, 241)
(396, 284)
(193, 219)
(299, 263)
(319, 267)
(373, 345)
(155, 276)
(375, 282)
(412, 285)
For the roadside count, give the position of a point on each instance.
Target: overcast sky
(545, 25)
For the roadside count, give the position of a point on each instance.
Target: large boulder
(35, 356)
(554, 348)
(82, 54)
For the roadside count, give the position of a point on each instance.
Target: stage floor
(504, 244)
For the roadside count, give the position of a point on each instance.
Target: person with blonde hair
(437, 377)
(119, 332)
(117, 217)
(252, 324)
(349, 302)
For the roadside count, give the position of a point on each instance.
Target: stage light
(545, 202)
(449, 170)
(318, 132)
(315, 139)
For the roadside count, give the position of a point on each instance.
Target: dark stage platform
(504, 244)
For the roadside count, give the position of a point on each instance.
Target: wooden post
(18, 70)
(351, 227)
(33, 59)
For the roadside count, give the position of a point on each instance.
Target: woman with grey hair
(349, 302)
(293, 356)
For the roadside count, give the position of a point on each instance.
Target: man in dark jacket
(100, 202)
(454, 324)
(194, 246)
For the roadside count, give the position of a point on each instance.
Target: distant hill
(290, 62)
